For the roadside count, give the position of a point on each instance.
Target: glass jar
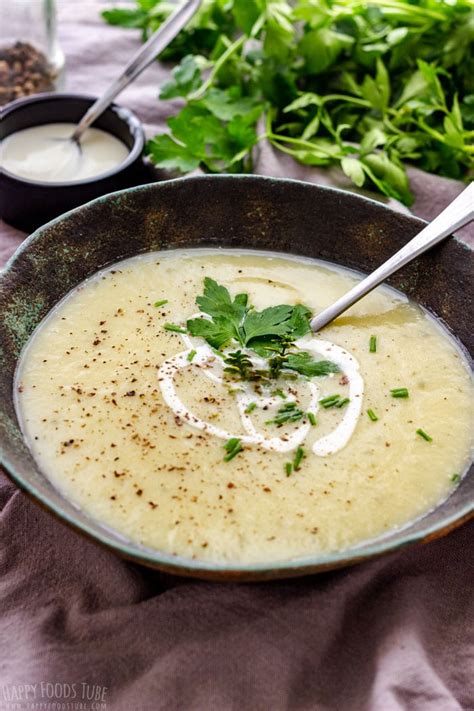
(31, 60)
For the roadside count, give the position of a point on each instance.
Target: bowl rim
(125, 115)
(208, 569)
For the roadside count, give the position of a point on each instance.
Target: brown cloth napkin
(80, 626)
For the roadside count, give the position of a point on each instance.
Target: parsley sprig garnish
(234, 320)
(269, 333)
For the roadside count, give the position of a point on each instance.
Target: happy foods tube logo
(53, 696)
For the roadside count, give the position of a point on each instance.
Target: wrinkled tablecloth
(80, 626)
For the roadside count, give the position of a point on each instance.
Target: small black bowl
(27, 204)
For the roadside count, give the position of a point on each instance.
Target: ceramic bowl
(230, 211)
(26, 204)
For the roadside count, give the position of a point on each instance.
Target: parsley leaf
(226, 314)
(126, 17)
(273, 321)
(287, 322)
(246, 13)
(217, 332)
(262, 331)
(216, 302)
(186, 77)
(167, 153)
(226, 105)
(304, 363)
(321, 48)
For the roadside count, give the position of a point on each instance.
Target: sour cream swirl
(212, 368)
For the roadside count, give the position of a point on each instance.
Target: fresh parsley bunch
(370, 86)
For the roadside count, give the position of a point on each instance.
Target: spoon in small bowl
(158, 41)
(456, 215)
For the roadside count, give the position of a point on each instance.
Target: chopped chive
(299, 454)
(312, 418)
(228, 457)
(333, 401)
(288, 412)
(329, 397)
(174, 328)
(191, 355)
(373, 344)
(372, 415)
(399, 392)
(250, 407)
(455, 478)
(329, 401)
(423, 434)
(233, 446)
(288, 468)
(279, 393)
(231, 443)
(157, 304)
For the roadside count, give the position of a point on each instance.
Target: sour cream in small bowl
(43, 174)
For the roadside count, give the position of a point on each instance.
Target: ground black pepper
(24, 70)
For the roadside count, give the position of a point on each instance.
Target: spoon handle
(457, 214)
(145, 56)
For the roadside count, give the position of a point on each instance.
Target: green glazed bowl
(217, 211)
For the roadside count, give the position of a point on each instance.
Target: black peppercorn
(24, 70)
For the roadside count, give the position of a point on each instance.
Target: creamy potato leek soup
(180, 398)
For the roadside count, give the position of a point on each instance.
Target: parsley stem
(421, 11)
(216, 68)
(343, 97)
(299, 142)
